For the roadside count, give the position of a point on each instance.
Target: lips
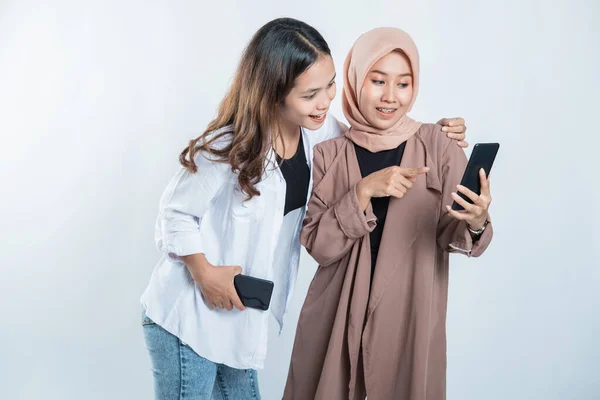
(318, 117)
(386, 110)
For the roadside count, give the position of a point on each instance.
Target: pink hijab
(367, 50)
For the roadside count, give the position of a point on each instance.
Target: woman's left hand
(455, 129)
(475, 214)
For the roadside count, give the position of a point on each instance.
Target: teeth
(318, 116)
(387, 110)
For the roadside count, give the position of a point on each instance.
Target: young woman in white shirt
(235, 206)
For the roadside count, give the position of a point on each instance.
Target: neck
(286, 143)
(288, 132)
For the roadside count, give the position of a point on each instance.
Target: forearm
(197, 264)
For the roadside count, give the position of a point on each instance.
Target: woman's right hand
(215, 282)
(392, 181)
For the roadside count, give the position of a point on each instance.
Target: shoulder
(221, 137)
(218, 139)
(440, 150)
(434, 139)
(329, 150)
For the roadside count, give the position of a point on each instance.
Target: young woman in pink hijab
(380, 226)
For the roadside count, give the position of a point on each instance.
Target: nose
(389, 94)
(324, 102)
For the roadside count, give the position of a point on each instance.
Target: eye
(403, 85)
(377, 82)
(312, 96)
(331, 84)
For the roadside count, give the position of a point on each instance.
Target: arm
(330, 230)
(453, 232)
(183, 203)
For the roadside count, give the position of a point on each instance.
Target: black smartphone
(253, 292)
(482, 156)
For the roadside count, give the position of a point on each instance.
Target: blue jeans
(181, 374)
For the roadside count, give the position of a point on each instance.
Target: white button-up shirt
(204, 212)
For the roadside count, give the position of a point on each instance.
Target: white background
(97, 99)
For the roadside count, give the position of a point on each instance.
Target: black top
(369, 163)
(296, 172)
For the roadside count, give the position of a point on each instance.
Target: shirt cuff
(353, 221)
(183, 244)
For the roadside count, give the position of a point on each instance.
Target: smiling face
(387, 91)
(308, 102)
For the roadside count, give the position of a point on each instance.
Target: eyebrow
(376, 71)
(316, 89)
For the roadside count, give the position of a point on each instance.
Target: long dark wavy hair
(277, 54)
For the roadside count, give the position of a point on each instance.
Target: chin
(313, 125)
(384, 125)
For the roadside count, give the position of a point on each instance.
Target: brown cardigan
(396, 330)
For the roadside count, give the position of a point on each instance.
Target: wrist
(198, 265)
(479, 223)
(362, 190)
(477, 228)
(475, 225)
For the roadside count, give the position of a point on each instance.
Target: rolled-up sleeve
(185, 200)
